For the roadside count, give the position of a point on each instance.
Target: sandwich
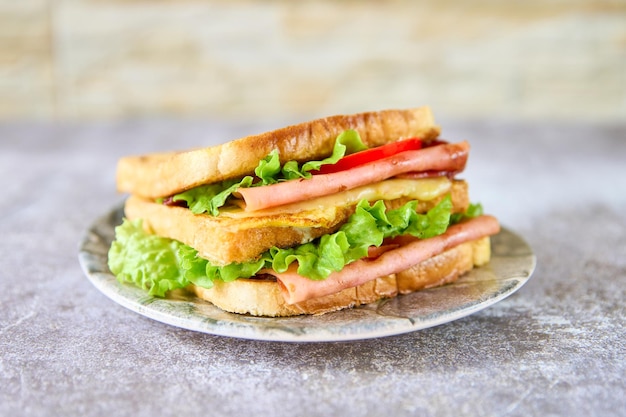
(320, 216)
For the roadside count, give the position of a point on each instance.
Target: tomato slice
(370, 155)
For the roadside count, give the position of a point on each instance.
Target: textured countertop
(554, 348)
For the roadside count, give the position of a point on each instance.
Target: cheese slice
(424, 189)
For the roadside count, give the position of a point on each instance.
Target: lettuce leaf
(348, 142)
(159, 264)
(209, 198)
(147, 261)
(474, 210)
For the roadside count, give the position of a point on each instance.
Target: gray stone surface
(555, 348)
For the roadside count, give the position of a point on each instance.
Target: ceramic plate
(511, 265)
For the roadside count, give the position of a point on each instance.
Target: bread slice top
(164, 174)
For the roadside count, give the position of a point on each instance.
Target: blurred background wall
(82, 60)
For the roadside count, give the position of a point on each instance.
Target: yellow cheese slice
(424, 189)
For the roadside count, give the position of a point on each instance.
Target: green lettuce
(209, 198)
(149, 262)
(270, 171)
(159, 264)
(474, 210)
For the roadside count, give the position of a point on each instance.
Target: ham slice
(296, 288)
(447, 157)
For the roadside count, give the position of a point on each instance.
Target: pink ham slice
(296, 288)
(447, 157)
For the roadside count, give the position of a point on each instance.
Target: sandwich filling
(276, 185)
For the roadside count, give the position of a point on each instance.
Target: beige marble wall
(26, 60)
(94, 59)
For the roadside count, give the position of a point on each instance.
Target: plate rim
(130, 298)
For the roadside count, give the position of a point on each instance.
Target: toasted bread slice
(164, 174)
(263, 297)
(223, 240)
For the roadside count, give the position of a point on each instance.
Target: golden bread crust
(164, 174)
(263, 297)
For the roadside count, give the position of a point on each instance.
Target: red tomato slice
(370, 155)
